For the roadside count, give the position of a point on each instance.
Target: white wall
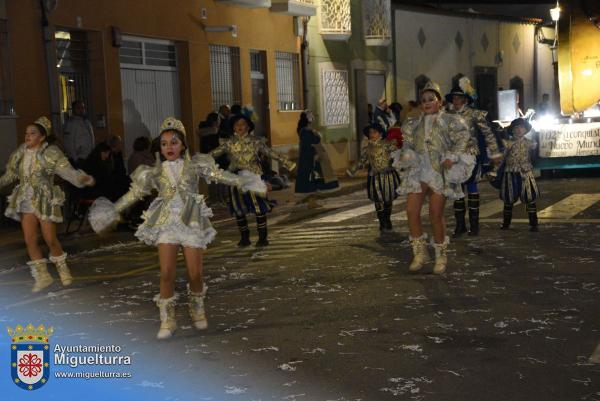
(440, 58)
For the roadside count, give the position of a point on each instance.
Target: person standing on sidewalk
(177, 218)
(245, 150)
(383, 179)
(482, 145)
(79, 140)
(314, 168)
(517, 180)
(434, 163)
(36, 202)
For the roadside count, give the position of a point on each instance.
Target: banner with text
(568, 140)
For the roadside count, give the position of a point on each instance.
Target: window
(288, 81)
(72, 63)
(335, 97)
(225, 76)
(152, 54)
(6, 90)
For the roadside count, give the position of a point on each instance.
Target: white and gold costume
(36, 193)
(178, 215)
(428, 141)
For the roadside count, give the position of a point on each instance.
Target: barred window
(288, 80)
(6, 89)
(152, 54)
(225, 75)
(72, 64)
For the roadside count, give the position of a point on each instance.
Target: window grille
(72, 63)
(153, 54)
(225, 76)
(288, 80)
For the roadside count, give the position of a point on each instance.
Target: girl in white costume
(178, 217)
(36, 202)
(434, 163)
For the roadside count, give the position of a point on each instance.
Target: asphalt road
(329, 311)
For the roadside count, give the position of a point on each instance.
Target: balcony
(377, 22)
(298, 8)
(335, 20)
(246, 3)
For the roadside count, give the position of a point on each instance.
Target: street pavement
(329, 311)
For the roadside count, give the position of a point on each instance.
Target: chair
(79, 211)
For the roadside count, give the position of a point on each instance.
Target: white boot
(39, 271)
(196, 307)
(419, 246)
(63, 269)
(441, 259)
(168, 324)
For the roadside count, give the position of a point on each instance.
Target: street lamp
(555, 13)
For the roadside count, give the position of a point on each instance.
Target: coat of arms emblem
(30, 355)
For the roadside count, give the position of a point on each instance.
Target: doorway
(486, 84)
(260, 92)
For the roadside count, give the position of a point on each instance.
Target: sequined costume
(245, 154)
(428, 141)
(383, 179)
(518, 181)
(178, 215)
(36, 193)
(483, 145)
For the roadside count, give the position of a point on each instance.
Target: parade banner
(570, 140)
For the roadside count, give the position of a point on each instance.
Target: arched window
(516, 83)
(456, 78)
(420, 83)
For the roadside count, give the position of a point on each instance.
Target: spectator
(236, 110)
(120, 180)
(395, 135)
(223, 117)
(98, 165)
(141, 154)
(383, 116)
(544, 106)
(370, 112)
(208, 132)
(396, 109)
(314, 168)
(78, 135)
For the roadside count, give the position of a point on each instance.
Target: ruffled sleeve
(408, 128)
(12, 169)
(55, 159)
(210, 171)
(219, 150)
(142, 183)
(458, 132)
(206, 166)
(490, 139)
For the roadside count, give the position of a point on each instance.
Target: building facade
(494, 52)
(349, 66)
(136, 62)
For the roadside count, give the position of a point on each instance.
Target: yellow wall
(176, 20)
